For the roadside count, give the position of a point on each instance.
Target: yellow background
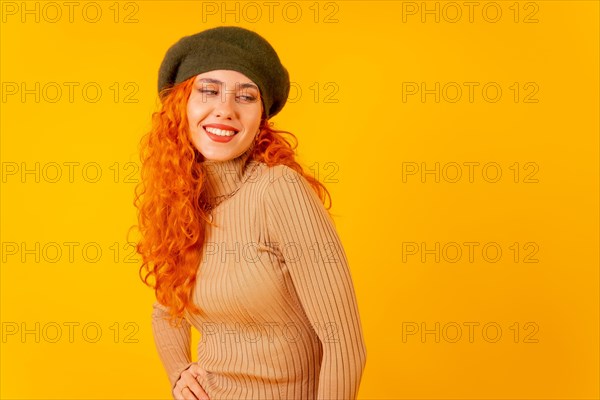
(365, 53)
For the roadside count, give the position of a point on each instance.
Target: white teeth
(219, 132)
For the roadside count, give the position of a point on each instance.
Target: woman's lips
(218, 138)
(221, 126)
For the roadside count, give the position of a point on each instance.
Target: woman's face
(224, 112)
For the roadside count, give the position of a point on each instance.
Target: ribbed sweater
(279, 314)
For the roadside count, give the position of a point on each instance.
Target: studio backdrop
(458, 140)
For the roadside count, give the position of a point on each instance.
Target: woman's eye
(240, 98)
(247, 99)
(214, 92)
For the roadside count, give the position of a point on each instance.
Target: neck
(223, 178)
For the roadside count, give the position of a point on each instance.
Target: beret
(230, 48)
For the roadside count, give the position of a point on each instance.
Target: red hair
(170, 218)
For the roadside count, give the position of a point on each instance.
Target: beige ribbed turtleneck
(279, 315)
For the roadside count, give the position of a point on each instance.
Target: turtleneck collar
(223, 178)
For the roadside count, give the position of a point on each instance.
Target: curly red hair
(170, 219)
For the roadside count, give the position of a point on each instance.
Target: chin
(218, 155)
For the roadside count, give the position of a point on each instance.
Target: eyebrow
(218, 82)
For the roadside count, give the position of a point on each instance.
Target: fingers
(187, 387)
(181, 392)
(187, 394)
(196, 370)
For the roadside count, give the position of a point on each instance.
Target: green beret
(231, 48)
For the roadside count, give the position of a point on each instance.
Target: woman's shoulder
(280, 173)
(277, 179)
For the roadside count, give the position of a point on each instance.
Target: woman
(236, 240)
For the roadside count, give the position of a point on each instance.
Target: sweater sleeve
(172, 343)
(316, 261)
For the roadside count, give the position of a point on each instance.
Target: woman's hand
(187, 387)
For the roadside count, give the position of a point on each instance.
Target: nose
(225, 107)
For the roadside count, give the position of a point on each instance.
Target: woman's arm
(316, 261)
(172, 343)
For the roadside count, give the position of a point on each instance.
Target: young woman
(236, 240)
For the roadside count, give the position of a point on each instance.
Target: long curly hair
(171, 220)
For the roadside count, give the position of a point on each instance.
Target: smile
(219, 132)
